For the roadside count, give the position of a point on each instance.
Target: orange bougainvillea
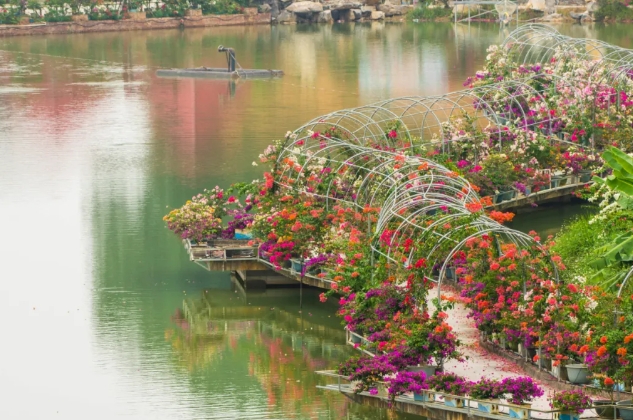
(501, 217)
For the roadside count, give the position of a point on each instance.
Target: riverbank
(90, 26)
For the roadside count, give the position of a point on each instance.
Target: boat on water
(232, 71)
(218, 73)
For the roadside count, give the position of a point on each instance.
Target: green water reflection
(93, 150)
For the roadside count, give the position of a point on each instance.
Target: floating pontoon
(231, 72)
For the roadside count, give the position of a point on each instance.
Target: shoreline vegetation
(31, 17)
(392, 213)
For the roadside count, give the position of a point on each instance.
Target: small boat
(218, 73)
(230, 72)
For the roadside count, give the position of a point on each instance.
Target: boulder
(554, 17)
(264, 8)
(305, 7)
(343, 5)
(356, 14)
(378, 15)
(325, 17)
(286, 17)
(387, 8)
(366, 11)
(592, 7)
(538, 5)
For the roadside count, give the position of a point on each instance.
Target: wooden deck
(238, 256)
(434, 409)
(561, 191)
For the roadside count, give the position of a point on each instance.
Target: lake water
(94, 149)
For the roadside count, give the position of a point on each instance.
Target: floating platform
(219, 73)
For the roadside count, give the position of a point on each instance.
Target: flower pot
(625, 408)
(531, 352)
(606, 412)
(577, 373)
(285, 264)
(522, 350)
(546, 363)
(560, 372)
(585, 176)
(382, 390)
(429, 370)
(519, 411)
(314, 270)
(453, 402)
(566, 415)
(354, 384)
(490, 406)
(356, 339)
(528, 190)
(558, 181)
(504, 196)
(296, 265)
(424, 396)
(450, 273)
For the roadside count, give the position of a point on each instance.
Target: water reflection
(225, 332)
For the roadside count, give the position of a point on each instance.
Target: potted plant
(452, 385)
(348, 367)
(371, 374)
(433, 340)
(540, 182)
(487, 392)
(522, 390)
(606, 408)
(404, 382)
(577, 373)
(500, 170)
(297, 264)
(570, 403)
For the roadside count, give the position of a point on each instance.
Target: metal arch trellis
(364, 141)
(423, 120)
(537, 43)
(397, 185)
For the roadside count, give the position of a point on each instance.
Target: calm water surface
(104, 316)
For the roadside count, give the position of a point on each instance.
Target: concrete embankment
(89, 26)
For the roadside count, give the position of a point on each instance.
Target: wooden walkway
(560, 189)
(238, 256)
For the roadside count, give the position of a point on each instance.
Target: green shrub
(8, 17)
(221, 7)
(423, 12)
(581, 243)
(613, 10)
(54, 15)
(107, 14)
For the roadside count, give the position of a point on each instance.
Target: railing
(239, 250)
(557, 183)
(470, 405)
